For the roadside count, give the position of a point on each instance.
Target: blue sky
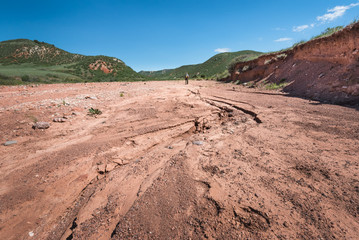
(160, 34)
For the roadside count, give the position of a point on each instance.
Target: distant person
(186, 78)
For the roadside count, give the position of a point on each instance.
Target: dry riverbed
(166, 160)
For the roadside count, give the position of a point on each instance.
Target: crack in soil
(246, 111)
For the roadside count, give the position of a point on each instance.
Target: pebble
(197, 143)
(41, 125)
(31, 234)
(59, 120)
(8, 143)
(92, 98)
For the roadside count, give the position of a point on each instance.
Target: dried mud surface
(172, 161)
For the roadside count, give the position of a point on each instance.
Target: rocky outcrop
(324, 69)
(101, 65)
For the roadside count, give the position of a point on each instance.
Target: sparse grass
(275, 86)
(64, 103)
(328, 32)
(355, 20)
(250, 84)
(121, 95)
(94, 112)
(33, 118)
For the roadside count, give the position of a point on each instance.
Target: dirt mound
(323, 69)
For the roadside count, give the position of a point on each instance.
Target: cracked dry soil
(172, 161)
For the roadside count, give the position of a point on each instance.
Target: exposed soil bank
(325, 69)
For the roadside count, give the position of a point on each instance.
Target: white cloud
(283, 39)
(336, 12)
(300, 28)
(222, 50)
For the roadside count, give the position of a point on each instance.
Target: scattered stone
(120, 161)
(41, 125)
(59, 120)
(169, 147)
(197, 143)
(111, 166)
(31, 234)
(8, 143)
(92, 98)
(101, 169)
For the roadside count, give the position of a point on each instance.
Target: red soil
(261, 165)
(325, 69)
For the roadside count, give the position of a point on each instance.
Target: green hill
(23, 61)
(214, 68)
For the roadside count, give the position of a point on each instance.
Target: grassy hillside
(214, 68)
(23, 61)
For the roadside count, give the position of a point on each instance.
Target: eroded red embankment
(324, 69)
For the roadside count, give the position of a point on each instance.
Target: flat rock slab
(8, 143)
(197, 143)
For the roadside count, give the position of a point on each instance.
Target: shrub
(299, 43)
(25, 78)
(275, 86)
(94, 111)
(328, 32)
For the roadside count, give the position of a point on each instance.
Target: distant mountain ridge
(214, 68)
(24, 60)
(39, 61)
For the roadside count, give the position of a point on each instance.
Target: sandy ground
(260, 165)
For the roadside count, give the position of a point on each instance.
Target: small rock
(31, 234)
(197, 143)
(92, 98)
(110, 166)
(8, 143)
(41, 125)
(119, 161)
(101, 169)
(169, 147)
(59, 120)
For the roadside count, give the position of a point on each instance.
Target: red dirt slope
(323, 69)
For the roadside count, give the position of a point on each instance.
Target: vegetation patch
(94, 112)
(23, 61)
(329, 31)
(276, 86)
(217, 67)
